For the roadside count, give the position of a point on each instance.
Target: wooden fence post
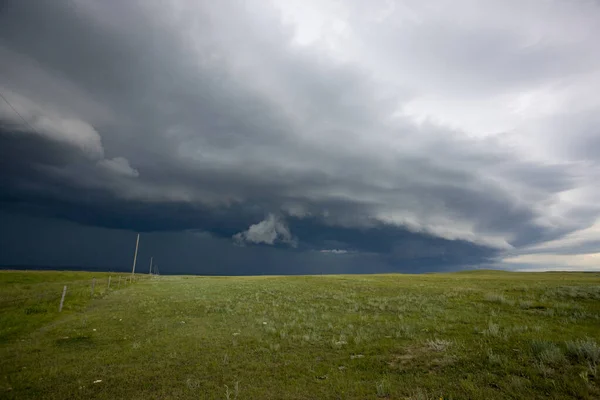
(119, 285)
(62, 299)
(109, 281)
(93, 284)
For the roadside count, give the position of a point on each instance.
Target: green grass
(477, 335)
(37, 295)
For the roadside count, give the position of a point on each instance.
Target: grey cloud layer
(216, 111)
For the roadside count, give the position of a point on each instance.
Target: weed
(193, 384)
(539, 346)
(516, 382)
(496, 298)
(492, 330)
(36, 310)
(552, 356)
(421, 394)
(438, 344)
(274, 346)
(383, 388)
(495, 359)
(592, 369)
(525, 304)
(547, 352)
(406, 332)
(575, 292)
(543, 369)
(584, 350)
(236, 389)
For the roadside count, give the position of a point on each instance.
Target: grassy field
(472, 335)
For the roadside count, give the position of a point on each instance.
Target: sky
(300, 136)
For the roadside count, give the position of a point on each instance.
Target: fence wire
(75, 288)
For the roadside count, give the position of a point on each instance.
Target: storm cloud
(408, 136)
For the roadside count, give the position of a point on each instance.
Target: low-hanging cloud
(270, 231)
(334, 251)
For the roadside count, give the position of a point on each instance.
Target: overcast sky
(301, 136)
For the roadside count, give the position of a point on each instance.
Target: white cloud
(269, 231)
(550, 262)
(334, 251)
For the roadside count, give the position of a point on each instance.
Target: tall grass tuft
(496, 298)
(547, 352)
(495, 359)
(439, 344)
(492, 330)
(584, 350)
(383, 388)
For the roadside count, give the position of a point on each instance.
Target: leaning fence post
(109, 281)
(62, 299)
(93, 284)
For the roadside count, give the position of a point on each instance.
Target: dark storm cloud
(182, 252)
(254, 124)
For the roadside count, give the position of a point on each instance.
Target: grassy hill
(483, 335)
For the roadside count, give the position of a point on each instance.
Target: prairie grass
(467, 335)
